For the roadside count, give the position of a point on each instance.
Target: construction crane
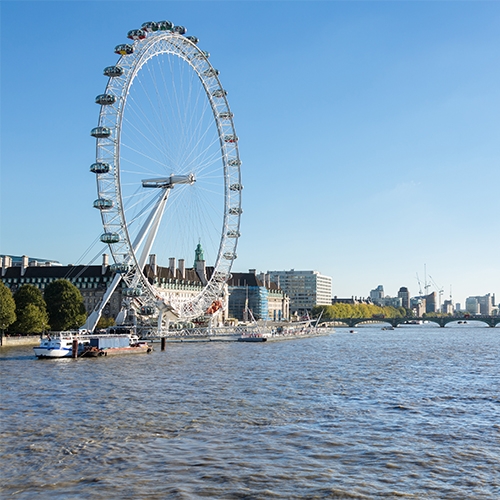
(440, 290)
(419, 286)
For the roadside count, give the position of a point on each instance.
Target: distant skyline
(369, 133)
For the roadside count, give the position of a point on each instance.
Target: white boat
(116, 340)
(60, 345)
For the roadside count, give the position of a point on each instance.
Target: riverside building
(305, 289)
(266, 300)
(252, 295)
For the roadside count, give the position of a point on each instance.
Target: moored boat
(60, 345)
(114, 341)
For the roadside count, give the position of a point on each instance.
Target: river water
(413, 413)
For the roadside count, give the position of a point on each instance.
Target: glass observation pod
(119, 267)
(137, 34)
(234, 162)
(150, 26)
(225, 115)
(211, 72)
(193, 39)
(100, 132)
(124, 49)
(219, 93)
(110, 238)
(147, 310)
(103, 204)
(180, 29)
(165, 25)
(100, 168)
(203, 55)
(233, 234)
(113, 71)
(131, 292)
(229, 256)
(236, 187)
(235, 211)
(230, 138)
(105, 99)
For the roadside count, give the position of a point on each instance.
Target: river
(413, 413)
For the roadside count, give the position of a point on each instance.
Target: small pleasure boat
(59, 345)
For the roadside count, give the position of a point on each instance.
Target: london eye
(167, 168)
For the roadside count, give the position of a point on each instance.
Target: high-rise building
(306, 289)
(377, 295)
(430, 303)
(483, 303)
(472, 305)
(404, 295)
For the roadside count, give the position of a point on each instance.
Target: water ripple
(409, 413)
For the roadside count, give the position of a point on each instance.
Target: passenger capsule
(229, 255)
(105, 99)
(137, 34)
(147, 310)
(235, 211)
(103, 204)
(230, 138)
(113, 71)
(124, 49)
(219, 93)
(236, 187)
(110, 238)
(150, 26)
(192, 39)
(119, 267)
(234, 162)
(225, 115)
(233, 234)
(165, 25)
(132, 292)
(211, 72)
(203, 54)
(180, 29)
(100, 132)
(100, 168)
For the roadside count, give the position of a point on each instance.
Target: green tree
(64, 305)
(30, 320)
(7, 307)
(32, 314)
(104, 322)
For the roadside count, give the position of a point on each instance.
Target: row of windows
(49, 280)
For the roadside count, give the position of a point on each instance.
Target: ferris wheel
(167, 168)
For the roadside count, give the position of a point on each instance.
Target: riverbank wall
(18, 341)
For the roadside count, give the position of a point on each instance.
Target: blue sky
(369, 132)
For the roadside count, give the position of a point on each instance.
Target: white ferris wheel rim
(109, 184)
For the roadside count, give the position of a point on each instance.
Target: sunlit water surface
(413, 412)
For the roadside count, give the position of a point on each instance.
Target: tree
(64, 305)
(7, 307)
(31, 311)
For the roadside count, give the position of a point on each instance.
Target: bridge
(442, 321)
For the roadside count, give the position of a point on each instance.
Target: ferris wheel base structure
(167, 169)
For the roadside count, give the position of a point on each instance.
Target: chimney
(24, 264)
(7, 262)
(171, 265)
(105, 263)
(152, 264)
(182, 269)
